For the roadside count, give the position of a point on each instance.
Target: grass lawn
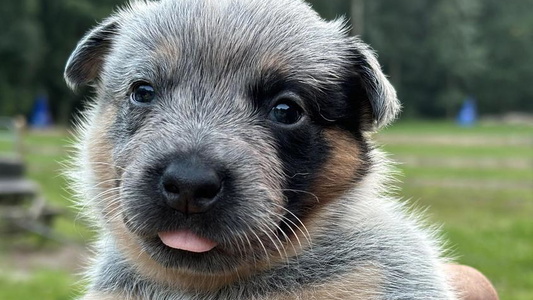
(476, 182)
(486, 209)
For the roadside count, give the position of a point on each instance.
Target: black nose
(190, 185)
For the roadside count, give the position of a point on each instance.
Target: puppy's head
(221, 127)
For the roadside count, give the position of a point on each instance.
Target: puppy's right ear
(85, 63)
(381, 101)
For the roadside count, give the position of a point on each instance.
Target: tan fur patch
(340, 169)
(100, 160)
(166, 50)
(362, 284)
(273, 62)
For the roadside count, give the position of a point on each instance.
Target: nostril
(171, 188)
(209, 190)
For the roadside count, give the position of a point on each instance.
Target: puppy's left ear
(382, 105)
(85, 63)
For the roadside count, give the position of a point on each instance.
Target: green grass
(41, 284)
(500, 151)
(447, 128)
(489, 226)
(438, 172)
(488, 230)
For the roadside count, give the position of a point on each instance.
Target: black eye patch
(325, 103)
(284, 100)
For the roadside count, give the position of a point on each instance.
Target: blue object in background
(468, 114)
(40, 117)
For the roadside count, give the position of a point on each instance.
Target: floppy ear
(381, 95)
(85, 63)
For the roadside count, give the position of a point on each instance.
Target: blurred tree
(35, 46)
(331, 9)
(357, 15)
(454, 41)
(64, 23)
(507, 37)
(20, 54)
(437, 52)
(431, 50)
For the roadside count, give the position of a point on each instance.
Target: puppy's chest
(316, 275)
(363, 284)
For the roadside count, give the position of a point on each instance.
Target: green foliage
(34, 49)
(437, 52)
(441, 51)
(508, 38)
(430, 49)
(20, 54)
(43, 285)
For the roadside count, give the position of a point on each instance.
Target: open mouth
(187, 240)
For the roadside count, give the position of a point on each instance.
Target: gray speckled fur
(222, 42)
(407, 254)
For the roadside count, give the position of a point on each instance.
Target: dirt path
(21, 263)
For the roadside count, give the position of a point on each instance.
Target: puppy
(227, 155)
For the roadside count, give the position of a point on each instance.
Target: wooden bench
(22, 207)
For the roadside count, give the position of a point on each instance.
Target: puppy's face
(222, 128)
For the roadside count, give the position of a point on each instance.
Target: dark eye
(143, 93)
(286, 112)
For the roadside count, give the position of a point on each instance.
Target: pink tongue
(186, 240)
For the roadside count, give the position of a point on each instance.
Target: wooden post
(19, 126)
(358, 16)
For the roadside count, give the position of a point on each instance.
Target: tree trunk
(357, 16)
